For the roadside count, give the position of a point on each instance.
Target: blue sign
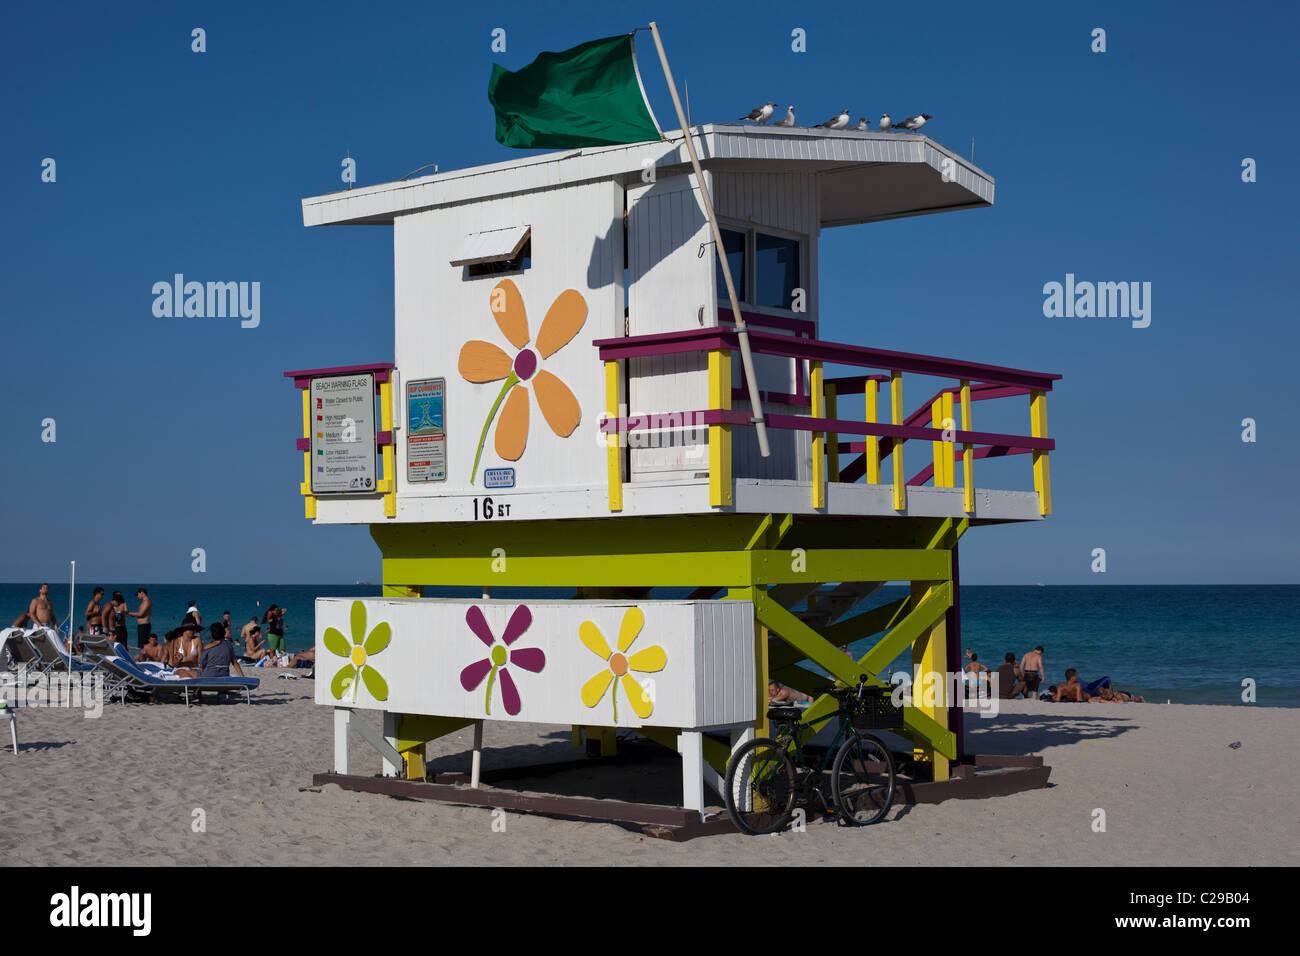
(499, 478)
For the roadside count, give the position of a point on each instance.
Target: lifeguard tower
(565, 409)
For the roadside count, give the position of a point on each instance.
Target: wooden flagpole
(746, 359)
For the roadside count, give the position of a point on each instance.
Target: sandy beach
(124, 789)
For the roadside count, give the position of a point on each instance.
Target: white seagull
(787, 119)
(836, 122)
(760, 114)
(915, 122)
(862, 123)
(884, 121)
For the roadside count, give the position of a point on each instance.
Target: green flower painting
(358, 654)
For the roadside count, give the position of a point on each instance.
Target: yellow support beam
(1042, 471)
(818, 438)
(967, 452)
(720, 483)
(614, 453)
(930, 656)
(873, 443)
(388, 484)
(896, 412)
(937, 447)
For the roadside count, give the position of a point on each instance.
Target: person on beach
(254, 646)
(217, 659)
(305, 658)
(248, 628)
(94, 611)
(274, 621)
(21, 620)
(192, 616)
(142, 617)
(114, 619)
(189, 649)
(1032, 671)
(977, 676)
(226, 623)
(1010, 684)
(777, 693)
(41, 611)
(152, 651)
(1072, 689)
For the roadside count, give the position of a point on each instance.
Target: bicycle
(762, 782)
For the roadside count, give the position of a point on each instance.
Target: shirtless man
(41, 611)
(248, 628)
(254, 646)
(142, 626)
(152, 651)
(94, 611)
(1072, 689)
(1032, 671)
(977, 677)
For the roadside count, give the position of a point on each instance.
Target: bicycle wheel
(760, 787)
(862, 780)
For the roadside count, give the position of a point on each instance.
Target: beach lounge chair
(54, 653)
(18, 650)
(132, 675)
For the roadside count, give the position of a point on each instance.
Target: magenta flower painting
(501, 657)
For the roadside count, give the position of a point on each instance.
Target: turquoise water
(1188, 644)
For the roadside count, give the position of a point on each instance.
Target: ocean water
(1188, 644)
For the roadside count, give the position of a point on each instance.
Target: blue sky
(1117, 166)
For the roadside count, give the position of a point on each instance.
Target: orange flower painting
(482, 362)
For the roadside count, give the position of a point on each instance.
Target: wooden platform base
(980, 777)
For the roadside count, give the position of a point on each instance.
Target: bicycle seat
(784, 715)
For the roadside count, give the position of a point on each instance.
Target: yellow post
(948, 421)
(930, 656)
(937, 447)
(720, 487)
(305, 487)
(415, 762)
(967, 453)
(873, 443)
(613, 452)
(818, 438)
(1042, 472)
(896, 402)
(833, 439)
(389, 482)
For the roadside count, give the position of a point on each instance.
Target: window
(495, 251)
(776, 270)
(734, 244)
(766, 273)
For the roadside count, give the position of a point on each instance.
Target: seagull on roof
(862, 123)
(787, 119)
(915, 122)
(836, 122)
(759, 114)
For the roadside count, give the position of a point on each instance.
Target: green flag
(588, 96)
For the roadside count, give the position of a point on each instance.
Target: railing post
(937, 447)
(1042, 471)
(818, 396)
(833, 438)
(389, 483)
(896, 403)
(720, 483)
(613, 449)
(967, 452)
(946, 416)
(873, 442)
(305, 488)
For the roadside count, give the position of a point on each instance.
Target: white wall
(577, 243)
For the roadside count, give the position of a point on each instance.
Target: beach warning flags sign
(590, 95)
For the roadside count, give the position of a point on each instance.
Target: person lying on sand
(1107, 695)
(305, 658)
(779, 693)
(1072, 689)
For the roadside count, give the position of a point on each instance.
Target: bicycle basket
(872, 710)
